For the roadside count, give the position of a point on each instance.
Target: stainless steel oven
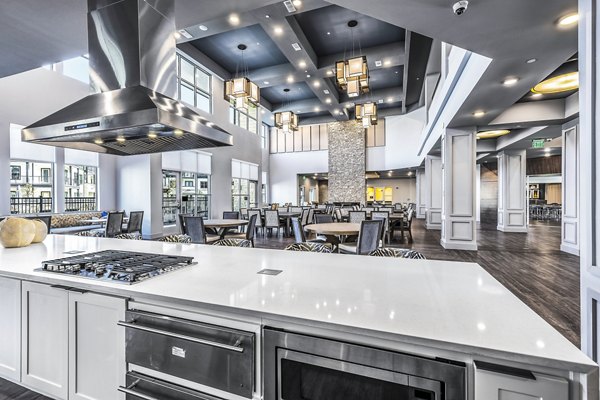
(301, 367)
(208, 355)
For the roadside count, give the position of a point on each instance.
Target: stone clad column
(512, 191)
(570, 236)
(421, 194)
(433, 192)
(347, 162)
(458, 190)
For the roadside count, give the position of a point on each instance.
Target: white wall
(285, 167)
(402, 141)
(403, 190)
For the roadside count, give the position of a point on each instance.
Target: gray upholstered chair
(368, 239)
(304, 217)
(249, 235)
(231, 215)
(134, 225)
(299, 235)
(259, 221)
(356, 217)
(272, 221)
(384, 217)
(397, 253)
(311, 247)
(337, 213)
(296, 209)
(323, 219)
(181, 218)
(194, 227)
(233, 242)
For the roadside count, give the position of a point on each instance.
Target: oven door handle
(133, 325)
(127, 390)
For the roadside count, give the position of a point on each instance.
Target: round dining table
(334, 230)
(222, 226)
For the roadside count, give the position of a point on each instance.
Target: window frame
(196, 89)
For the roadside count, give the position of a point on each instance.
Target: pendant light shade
(287, 121)
(366, 113)
(241, 91)
(352, 75)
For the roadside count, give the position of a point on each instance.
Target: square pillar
(459, 225)
(512, 191)
(421, 194)
(433, 192)
(570, 237)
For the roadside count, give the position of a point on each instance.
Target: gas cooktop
(116, 266)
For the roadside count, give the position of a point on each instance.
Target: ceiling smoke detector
(289, 6)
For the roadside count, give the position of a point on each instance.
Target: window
(264, 134)
(77, 68)
(245, 119)
(306, 138)
(194, 84)
(243, 193)
(80, 188)
(31, 187)
(170, 205)
(191, 196)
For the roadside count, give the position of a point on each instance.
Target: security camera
(460, 7)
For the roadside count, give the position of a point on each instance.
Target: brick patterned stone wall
(346, 162)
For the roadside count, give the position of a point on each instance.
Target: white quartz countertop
(450, 303)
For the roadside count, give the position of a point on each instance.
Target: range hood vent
(133, 74)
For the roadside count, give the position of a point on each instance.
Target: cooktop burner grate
(117, 266)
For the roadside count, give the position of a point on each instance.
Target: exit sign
(538, 143)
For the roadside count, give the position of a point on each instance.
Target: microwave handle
(178, 336)
(132, 392)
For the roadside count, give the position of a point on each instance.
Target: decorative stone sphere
(41, 231)
(16, 232)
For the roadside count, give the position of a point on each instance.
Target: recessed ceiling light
(510, 81)
(267, 16)
(234, 19)
(290, 79)
(479, 114)
(278, 30)
(536, 95)
(316, 84)
(152, 135)
(120, 139)
(326, 91)
(262, 112)
(396, 72)
(203, 28)
(390, 99)
(328, 100)
(558, 84)
(258, 43)
(177, 35)
(340, 112)
(297, 3)
(308, 75)
(317, 109)
(266, 82)
(98, 141)
(568, 20)
(329, 33)
(387, 63)
(378, 63)
(547, 149)
(492, 134)
(302, 64)
(329, 72)
(531, 60)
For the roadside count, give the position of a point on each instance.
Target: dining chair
(397, 253)
(243, 213)
(259, 221)
(176, 239)
(338, 214)
(304, 216)
(296, 209)
(389, 210)
(114, 225)
(407, 225)
(134, 225)
(384, 217)
(323, 219)
(249, 235)
(368, 239)
(181, 218)
(195, 230)
(310, 247)
(272, 221)
(231, 215)
(233, 243)
(311, 217)
(356, 217)
(299, 235)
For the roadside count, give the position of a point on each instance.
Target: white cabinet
(500, 386)
(10, 328)
(97, 355)
(45, 336)
(72, 347)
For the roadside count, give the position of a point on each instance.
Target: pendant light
(366, 113)
(352, 74)
(240, 91)
(287, 121)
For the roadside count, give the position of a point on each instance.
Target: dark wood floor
(530, 265)
(10, 391)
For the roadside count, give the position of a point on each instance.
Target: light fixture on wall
(287, 121)
(240, 91)
(366, 113)
(352, 74)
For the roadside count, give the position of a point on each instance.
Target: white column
(512, 192)
(570, 190)
(589, 114)
(59, 179)
(478, 193)
(421, 194)
(459, 228)
(433, 192)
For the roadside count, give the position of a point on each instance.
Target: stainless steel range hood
(133, 72)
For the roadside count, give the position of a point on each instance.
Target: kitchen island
(455, 313)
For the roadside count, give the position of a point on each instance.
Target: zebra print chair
(232, 242)
(176, 239)
(94, 233)
(311, 247)
(397, 253)
(129, 236)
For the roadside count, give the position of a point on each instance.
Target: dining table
(223, 226)
(100, 221)
(334, 232)
(287, 215)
